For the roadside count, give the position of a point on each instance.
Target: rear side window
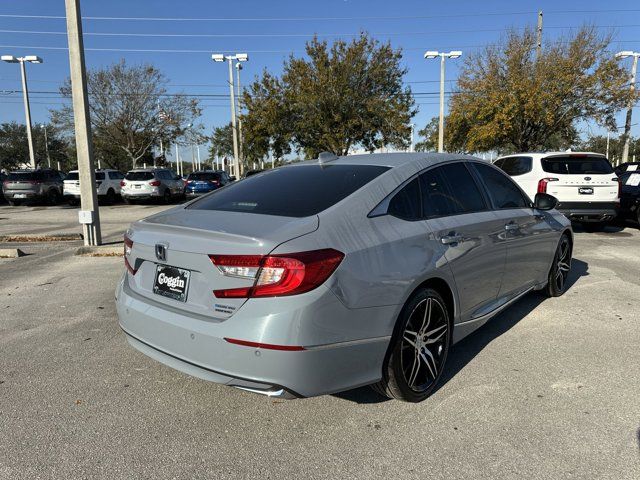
(450, 190)
(116, 176)
(406, 203)
(139, 176)
(514, 166)
(295, 191)
(99, 175)
(204, 176)
(503, 192)
(72, 176)
(577, 165)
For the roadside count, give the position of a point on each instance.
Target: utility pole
(539, 32)
(46, 146)
(608, 135)
(434, 54)
(89, 215)
(632, 88)
(178, 160)
(238, 68)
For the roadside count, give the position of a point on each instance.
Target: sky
(179, 37)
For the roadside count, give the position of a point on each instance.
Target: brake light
(616, 179)
(128, 245)
(122, 183)
(154, 183)
(542, 184)
(214, 182)
(277, 275)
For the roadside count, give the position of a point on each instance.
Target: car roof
(551, 154)
(147, 169)
(392, 160)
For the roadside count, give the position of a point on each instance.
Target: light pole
(435, 54)
(25, 95)
(632, 87)
(238, 68)
(241, 57)
(46, 145)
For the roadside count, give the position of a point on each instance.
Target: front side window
(503, 192)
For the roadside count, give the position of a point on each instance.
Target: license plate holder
(585, 190)
(20, 195)
(171, 282)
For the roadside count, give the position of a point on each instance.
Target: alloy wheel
(424, 344)
(563, 264)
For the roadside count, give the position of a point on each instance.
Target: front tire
(166, 198)
(418, 349)
(557, 280)
(14, 203)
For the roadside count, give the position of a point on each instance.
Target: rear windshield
(297, 191)
(575, 165)
(24, 176)
(74, 176)
(138, 176)
(204, 176)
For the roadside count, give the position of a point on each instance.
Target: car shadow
(466, 349)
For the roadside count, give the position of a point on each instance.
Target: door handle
(509, 227)
(451, 239)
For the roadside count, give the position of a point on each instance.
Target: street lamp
(431, 54)
(46, 145)
(238, 68)
(240, 57)
(25, 94)
(632, 87)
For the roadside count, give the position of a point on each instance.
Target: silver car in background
(151, 184)
(327, 275)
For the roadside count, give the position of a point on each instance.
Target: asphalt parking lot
(550, 388)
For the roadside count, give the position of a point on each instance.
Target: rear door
(528, 238)
(460, 218)
(580, 178)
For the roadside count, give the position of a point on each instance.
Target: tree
(130, 112)
(598, 144)
(14, 146)
(430, 135)
(221, 142)
(509, 101)
(341, 96)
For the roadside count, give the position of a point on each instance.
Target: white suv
(585, 184)
(107, 186)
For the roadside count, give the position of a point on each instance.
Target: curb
(101, 251)
(37, 237)
(11, 253)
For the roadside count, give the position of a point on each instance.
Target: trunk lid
(189, 237)
(581, 178)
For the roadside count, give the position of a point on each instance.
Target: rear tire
(14, 203)
(557, 280)
(418, 349)
(166, 197)
(111, 197)
(53, 197)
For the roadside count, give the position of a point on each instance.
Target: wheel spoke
(426, 353)
(415, 368)
(563, 266)
(426, 320)
(410, 342)
(431, 338)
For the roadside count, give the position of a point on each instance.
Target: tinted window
(204, 176)
(115, 175)
(515, 166)
(296, 191)
(139, 176)
(576, 165)
(72, 176)
(99, 175)
(503, 192)
(24, 176)
(406, 203)
(450, 190)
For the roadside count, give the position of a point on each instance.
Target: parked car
(23, 186)
(326, 275)
(249, 173)
(630, 196)
(205, 181)
(107, 186)
(627, 167)
(151, 183)
(584, 183)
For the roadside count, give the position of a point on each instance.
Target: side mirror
(232, 178)
(544, 201)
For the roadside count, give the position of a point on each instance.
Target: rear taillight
(122, 183)
(616, 179)
(6, 182)
(214, 182)
(277, 275)
(154, 183)
(542, 184)
(128, 245)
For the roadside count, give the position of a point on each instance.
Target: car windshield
(204, 176)
(24, 176)
(296, 191)
(138, 176)
(577, 165)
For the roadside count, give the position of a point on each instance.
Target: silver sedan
(331, 274)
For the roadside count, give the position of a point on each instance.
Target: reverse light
(277, 275)
(128, 245)
(542, 184)
(616, 179)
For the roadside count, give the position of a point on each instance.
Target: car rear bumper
(21, 194)
(589, 211)
(141, 195)
(195, 194)
(197, 345)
